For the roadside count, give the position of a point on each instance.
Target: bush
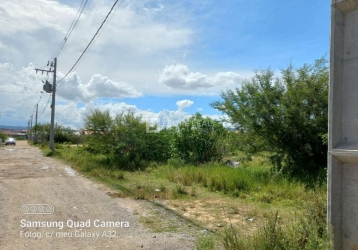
(199, 140)
(123, 138)
(62, 134)
(2, 136)
(176, 162)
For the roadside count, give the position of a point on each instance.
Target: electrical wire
(18, 92)
(89, 42)
(72, 27)
(104, 26)
(45, 106)
(40, 97)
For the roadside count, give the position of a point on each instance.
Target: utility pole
(52, 131)
(35, 139)
(31, 126)
(53, 90)
(28, 130)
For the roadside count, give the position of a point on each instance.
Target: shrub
(124, 138)
(176, 162)
(199, 140)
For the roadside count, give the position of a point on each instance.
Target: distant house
(14, 132)
(90, 132)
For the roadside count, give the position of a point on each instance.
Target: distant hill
(13, 127)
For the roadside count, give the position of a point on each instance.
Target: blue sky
(159, 58)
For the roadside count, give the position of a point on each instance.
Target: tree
(62, 134)
(42, 132)
(285, 115)
(198, 140)
(158, 145)
(99, 125)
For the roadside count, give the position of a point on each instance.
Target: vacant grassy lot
(246, 207)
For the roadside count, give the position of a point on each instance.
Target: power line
(40, 97)
(89, 42)
(46, 105)
(72, 27)
(18, 92)
(104, 26)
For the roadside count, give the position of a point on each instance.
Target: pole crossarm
(45, 70)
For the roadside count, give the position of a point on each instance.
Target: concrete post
(52, 128)
(342, 204)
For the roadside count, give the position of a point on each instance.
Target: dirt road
(77, 213)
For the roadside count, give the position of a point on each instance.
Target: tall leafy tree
(286, 115)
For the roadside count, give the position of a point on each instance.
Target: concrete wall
(343, 125)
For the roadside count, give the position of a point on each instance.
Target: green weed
(205, 242)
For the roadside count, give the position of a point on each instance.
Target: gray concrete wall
(343, 125)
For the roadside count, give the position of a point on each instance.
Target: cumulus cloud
(181, 78)
(20, 90)
(184, 104)
(71, 115)
(17, 15)
(138, 35)
(99, 86)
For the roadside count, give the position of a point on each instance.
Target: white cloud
(99, 86)
(179, 77)
(20, 91)
(69, 115)
(138, 35)
(28, 16)
(184, 104)
(154, 10)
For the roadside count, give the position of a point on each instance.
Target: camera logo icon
(37, 209)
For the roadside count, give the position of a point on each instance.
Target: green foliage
(48, 152)
(179, 191)
(306, 231)
(176, 162)
(205, 242)
(158, 145)
(3, 136)
(123, 138)
(42, 131)
(198, 140)
(287, 116)
(99, 124)
(62, 134)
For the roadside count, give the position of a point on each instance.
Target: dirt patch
(27, 177)
(213, 215)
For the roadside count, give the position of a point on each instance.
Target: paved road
(81, 208)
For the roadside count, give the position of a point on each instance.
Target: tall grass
(257, 183)
(254, 183)
(308, 231)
